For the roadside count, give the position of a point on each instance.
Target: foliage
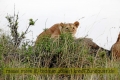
(64, 52)
(17, 37)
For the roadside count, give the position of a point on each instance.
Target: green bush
(65, 52)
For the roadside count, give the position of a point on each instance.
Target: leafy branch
(13, 25)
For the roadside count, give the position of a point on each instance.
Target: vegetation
(62, 53)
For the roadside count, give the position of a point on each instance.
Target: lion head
(69, 27)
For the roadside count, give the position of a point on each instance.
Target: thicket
(65, 52)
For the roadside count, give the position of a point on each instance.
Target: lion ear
(76, 23)
(62, 24)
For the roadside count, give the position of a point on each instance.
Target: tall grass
(66, 52)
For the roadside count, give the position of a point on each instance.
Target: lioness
(115, 49)
(57, 29)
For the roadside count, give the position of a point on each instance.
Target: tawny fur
(57, 29)
(116, 49)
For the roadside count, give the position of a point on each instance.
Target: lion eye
(66, 28)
